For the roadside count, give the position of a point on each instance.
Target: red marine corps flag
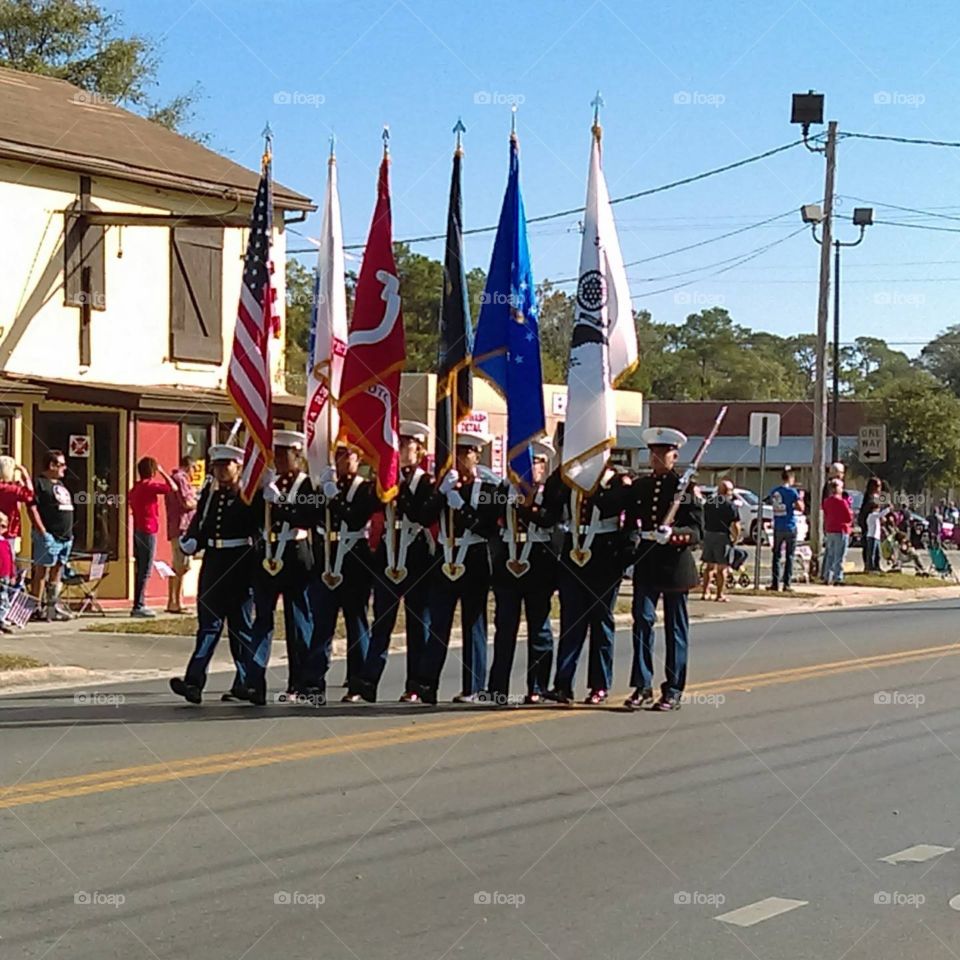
(370, 387)
(248, 377)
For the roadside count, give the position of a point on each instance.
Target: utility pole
(835, 408)
(823, 316)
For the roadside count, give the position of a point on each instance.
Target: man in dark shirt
(721, 522)
(51, 513)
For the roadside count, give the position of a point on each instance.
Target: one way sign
(872, 446)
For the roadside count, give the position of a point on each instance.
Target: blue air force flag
(506, 348)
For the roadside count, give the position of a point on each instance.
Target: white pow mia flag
(603, 349)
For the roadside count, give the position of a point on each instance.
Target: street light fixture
(811, 213)
(862, 218)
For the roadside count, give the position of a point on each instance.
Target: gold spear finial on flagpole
(267, 144)
(597, 102)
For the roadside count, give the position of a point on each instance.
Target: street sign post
(872, 443)
(764, 432)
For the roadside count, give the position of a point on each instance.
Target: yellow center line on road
(123, 778)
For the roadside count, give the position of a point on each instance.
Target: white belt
(470, 539)
(298, 533)
(610, 525)
(231, 542)
(348, 536)
(533, 534)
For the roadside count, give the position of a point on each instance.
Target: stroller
(938, 558)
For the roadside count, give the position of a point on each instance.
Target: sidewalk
(76, 657)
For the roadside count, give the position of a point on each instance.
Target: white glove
(455, 500)
(271, 493)
(188, 545)
(268, 477)
(663, 534)
(449, 482)
(330, 489)
(326, 475)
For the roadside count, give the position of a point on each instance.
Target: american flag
(22, 606)
(248, 377)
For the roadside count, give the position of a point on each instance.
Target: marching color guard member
(591, 568)
(524, 576)
(464, 575)
(345, 564)
(404, 564)
(663, 567)
(226, 530)
(287, 560)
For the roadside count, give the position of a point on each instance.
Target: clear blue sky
(350, 67)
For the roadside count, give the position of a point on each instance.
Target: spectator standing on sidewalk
(721, 522)
(144, 500)
(871, 537)
(872, 496)
(51, 514)
(13, 492)
(837, 523)
(181, 506)
(787, 502)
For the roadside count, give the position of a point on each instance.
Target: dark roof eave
(283, 198)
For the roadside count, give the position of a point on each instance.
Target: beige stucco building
(122, 250)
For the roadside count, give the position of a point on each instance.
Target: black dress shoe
(188, 691)
(428, 695)
(256, 696)
(312, 696)
(666, 704)
(367, 691)
(234, 694)
(639, 699)
(596, 697)
(559, 696)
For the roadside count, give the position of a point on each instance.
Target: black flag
(454, 388)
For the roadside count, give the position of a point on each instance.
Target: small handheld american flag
(22, 606)
(248, 377)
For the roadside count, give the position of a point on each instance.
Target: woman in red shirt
(144, 499)
(837, 523)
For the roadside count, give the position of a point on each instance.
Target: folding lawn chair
(80, 590)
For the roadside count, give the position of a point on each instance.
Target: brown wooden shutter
(83, 248)
(196, 294)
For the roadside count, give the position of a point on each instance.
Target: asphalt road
(750, 824)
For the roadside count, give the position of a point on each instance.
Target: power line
(630, 196)
(914, 140)
(893, 206)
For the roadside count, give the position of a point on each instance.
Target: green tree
(555, 321)
(942, 357)
(872, 368)
(923, 435)
(79, 41)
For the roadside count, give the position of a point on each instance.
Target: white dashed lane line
(918, 854)
(761, 910)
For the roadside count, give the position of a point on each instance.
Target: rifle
(687, 476)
